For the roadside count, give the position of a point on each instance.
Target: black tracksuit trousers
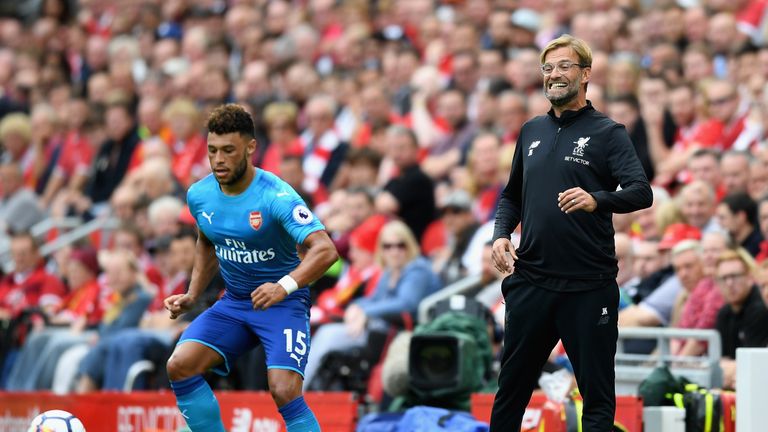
(536, 318)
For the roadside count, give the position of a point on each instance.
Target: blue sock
(198, 405)
(298, 417)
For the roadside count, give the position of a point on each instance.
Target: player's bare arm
(320, 255)
(203, 271)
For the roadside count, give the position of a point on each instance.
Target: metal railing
(631, 369)
(74, 230)
(458, 287)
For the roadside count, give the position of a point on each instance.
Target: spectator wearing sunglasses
(406, 279)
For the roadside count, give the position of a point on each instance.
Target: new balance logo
(533, 146)
(604, 317)
(208, 216)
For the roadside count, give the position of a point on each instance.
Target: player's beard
(571, 92)
(237, 174)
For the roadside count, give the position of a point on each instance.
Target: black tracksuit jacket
(584, 149)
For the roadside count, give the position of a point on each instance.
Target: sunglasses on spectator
(387, 246)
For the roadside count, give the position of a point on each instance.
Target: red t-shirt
(76, 155)
(83, 302)
(37, 289)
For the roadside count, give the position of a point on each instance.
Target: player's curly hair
(231, 118)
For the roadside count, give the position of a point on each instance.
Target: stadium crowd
(396, 120)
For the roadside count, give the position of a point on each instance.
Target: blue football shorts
(232, 327)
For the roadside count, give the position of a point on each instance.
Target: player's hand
(576, 199)
(502, 252)
(267, 294)
(178, 304)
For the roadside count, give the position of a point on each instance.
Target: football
(56, 421)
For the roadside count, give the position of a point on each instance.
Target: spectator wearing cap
(737, 214)
(460, 226)
(657, 308)
(525, 25)
(80, 308)
(359, 276)
(743, 319)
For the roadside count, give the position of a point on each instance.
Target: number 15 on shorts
(299, 349)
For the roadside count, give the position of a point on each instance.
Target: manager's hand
(502, 252)
(267, 294)
(576, 199)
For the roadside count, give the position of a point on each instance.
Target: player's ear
(250, 148)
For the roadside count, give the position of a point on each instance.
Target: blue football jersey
(256, 232)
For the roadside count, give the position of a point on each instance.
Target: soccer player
(249, 225)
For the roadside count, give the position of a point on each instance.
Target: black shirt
(110, 165)
(752, 242)
(746, 328)
(415, 194)
(584, 149)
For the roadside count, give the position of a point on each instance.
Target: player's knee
(284, 392)
(180, 367)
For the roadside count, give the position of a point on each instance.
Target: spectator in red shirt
(80, 308)
(29, 285)
(700, 310)
(280, 119)
(188, 147)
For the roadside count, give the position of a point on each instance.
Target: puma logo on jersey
(297, 358)
(282, 194)
(208, 216)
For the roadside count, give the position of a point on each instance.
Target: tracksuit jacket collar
(569, 116)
